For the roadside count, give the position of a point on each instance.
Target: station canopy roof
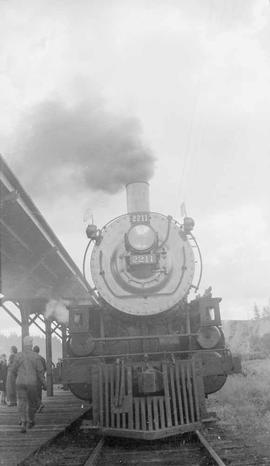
(34, 264)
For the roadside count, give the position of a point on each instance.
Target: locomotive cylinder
(138, 197)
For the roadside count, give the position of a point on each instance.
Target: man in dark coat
(11, 379)
(3, 378)
(29, 374)
(36, 350)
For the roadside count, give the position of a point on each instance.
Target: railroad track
(77, 447)
(191, 450)
(232, 448)
(213, 446)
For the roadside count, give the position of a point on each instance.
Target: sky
(178, 89)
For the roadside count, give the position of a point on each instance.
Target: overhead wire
(189, 148)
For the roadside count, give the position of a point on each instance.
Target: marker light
(141, 237)
(208, 337)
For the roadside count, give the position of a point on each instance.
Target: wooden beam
(43, 321)
(11, 196)
(41, 318)
(32, 320)
(14, 235)
(57, 327)
(25, 325)
(38, 326)
(32, 269)
(64, 341)
(64, 347)
(8, 256)
(49, 357)
(10, 314)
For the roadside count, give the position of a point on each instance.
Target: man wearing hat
(29, 373)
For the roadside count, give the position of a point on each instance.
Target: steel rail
(210, 450)
(95, 454)
(94, 457)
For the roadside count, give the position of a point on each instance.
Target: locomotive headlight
(208, 337)
(141, 237)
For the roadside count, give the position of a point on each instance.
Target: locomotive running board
(117, 412)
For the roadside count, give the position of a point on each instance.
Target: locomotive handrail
(140, 337)
(158, 353)
(93, 290)
(192, 237)
(84, 257)
(168, 232)
(201, 263)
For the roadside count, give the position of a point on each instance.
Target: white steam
(57, 309)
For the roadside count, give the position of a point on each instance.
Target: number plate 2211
(143, 259)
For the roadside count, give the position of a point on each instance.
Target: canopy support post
(49, 357)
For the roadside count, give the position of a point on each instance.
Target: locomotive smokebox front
(143, 262)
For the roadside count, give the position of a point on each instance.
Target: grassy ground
(244, 403)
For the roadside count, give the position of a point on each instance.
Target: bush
(244, 401)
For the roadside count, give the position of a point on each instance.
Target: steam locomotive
(143, 355)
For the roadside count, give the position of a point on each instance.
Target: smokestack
(138, 197)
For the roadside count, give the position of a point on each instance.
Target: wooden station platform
(59, 411)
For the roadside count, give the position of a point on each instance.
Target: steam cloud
(57, 309)
(71, 148)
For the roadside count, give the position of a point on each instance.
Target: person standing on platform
(36, 349)
(29, 373)
(11, 379)
(3, 378)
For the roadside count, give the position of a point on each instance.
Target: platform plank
(59, 411)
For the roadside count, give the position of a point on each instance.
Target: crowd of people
(22, 379)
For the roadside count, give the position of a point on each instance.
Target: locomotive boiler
(144, 355)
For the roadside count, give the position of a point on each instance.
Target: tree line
(261, 313)
(261, 344)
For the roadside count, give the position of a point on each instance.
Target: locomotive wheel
(213, 383)
(81, 390)
(81, 345)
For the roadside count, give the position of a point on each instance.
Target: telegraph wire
(188, 148)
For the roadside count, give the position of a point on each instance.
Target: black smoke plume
(72, 148)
